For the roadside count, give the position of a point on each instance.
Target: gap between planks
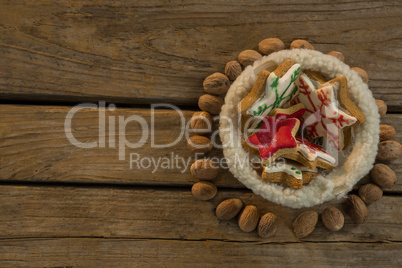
(136, 54)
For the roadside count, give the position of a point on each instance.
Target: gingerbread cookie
(275, 138)
(311, 155)
(275, 135)
(317, 76)
(344, 101)
(255, 93)
(350, 106)
(322, 117)
(271, 90)
(290, 173)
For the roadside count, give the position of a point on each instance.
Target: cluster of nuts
(383, 176)
(205, 170)
(305, 223)
(249, 218)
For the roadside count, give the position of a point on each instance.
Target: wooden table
(64, 206)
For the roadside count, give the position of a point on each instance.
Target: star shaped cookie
(322, 118)
(344, 100)
(271, 90)
(275, 138)
(349, 105)
(290, 173)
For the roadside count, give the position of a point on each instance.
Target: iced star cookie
(272, 90)
(311, 155)
(322, 118)
(278, 92)
(290, 173)
(350, 106)
(344, 101)
(275, 138)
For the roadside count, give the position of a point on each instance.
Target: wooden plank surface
(64, 206)
(34, 147)
(98, 252)
(132, 52)
(135, 213)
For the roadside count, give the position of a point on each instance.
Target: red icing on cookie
(323, 117)
(275, 135)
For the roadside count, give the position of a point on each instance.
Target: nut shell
(387, 132)
(270, 45)
(305, 223)
(204, 190)
(201, 123)
(229, 208)
(204, 169)
(337, 55)
(248, 219)
(216, 84)
(370, 193)
(211, 104)
(389, 151)
(356, 209)
(382, 107)
(362, 73)
(383, 175)
(248, 57)
(199, 144)
(233, 69)
(302, 44)
(333, 219)
(268, 225)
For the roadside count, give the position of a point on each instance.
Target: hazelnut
(229, 208)
(216, 84)
(337, 55)
(270, 45)
(302, 44)
(248, 57)
(204, 190)
(211, 104)
(233, 69)
(384, 176)
(362, 73)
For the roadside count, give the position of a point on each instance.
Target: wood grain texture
(34, 147)
(134, 213)
(84, 252)
(151, 51)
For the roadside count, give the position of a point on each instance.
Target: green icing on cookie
(279, 99)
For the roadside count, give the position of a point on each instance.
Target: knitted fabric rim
(323, 188)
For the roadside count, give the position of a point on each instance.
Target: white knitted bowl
(323, 188)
